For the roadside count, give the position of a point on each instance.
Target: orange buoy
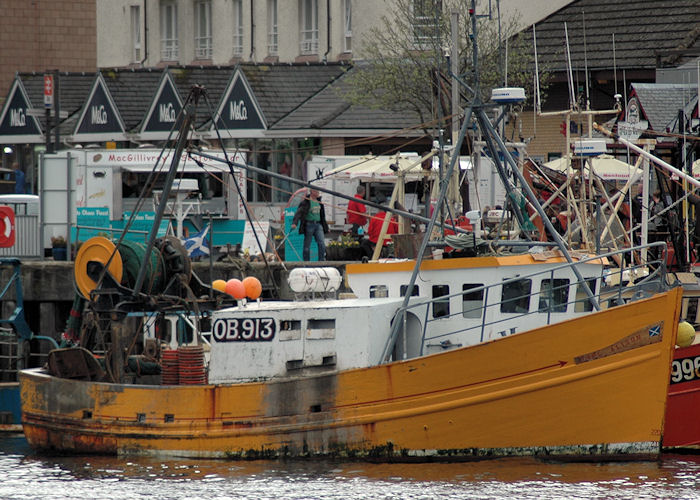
(252, 286)
(235, 288)
(219, 285)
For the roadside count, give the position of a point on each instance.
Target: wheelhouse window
(515, 297)
(425, 18)
(404, 288)
(202, 37)
(554, 295)
(378, 291)
(347, 40)
(272, 40)
(309, 27)
(237, 28)
(135, 15)
(169, 45)
(472, 301)
(441, 306)
(582, 302)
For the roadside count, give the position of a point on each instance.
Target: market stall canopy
(373, 168)
(604, 166)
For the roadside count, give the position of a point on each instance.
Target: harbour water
(25, 475)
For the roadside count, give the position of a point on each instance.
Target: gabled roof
(641, 28)
(73, 91)
(278, 88)
(132, 91)
(660, 103)
(328, 110)
(281, 88)
(294, 99)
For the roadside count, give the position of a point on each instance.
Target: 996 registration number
(243, 329)
(685, 369)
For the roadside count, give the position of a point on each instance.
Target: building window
(272, 27)
(202, 30)
(347, 41)
(309, 27)
(135, 33)
(237, 28)
(426, 14)
(169, 47)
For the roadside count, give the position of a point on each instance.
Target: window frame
(203, 48)
(169, 42)
(554, 295)
(425, 31)
(135, 17)
(441, 306)
(237, 25)
(272, 30)
(469, 308)
(308, 34)
(516, 301)
(581, 301)
(347, 23)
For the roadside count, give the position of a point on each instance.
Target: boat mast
(477, 110)
(182, 139)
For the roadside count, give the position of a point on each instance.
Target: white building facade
(152, 33)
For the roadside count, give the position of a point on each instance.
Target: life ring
(7, 226)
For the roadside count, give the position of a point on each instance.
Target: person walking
(311, 219)
(356, 212)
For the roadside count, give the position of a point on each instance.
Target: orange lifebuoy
(7, 226)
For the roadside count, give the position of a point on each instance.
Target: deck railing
(614, 286)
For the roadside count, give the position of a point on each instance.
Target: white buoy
(508, 95)
(314, 279)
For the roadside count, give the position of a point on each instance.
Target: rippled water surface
(25, 475)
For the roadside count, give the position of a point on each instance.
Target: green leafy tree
(405, 58)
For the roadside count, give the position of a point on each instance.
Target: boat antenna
(538, 101)
(614, 66)
(572, 98)
(585, 61)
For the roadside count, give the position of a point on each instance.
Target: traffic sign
(48, 91)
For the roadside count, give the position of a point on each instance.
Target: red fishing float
(235, 288)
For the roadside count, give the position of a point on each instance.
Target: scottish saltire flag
(197, 245)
